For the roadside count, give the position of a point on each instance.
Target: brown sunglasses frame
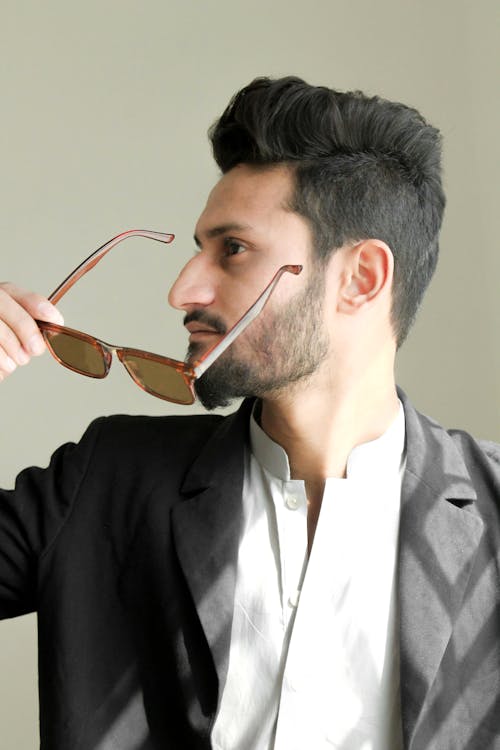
(106, 350)
(189, 373)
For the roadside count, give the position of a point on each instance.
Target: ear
(368, 273)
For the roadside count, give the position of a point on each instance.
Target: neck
(319, 425)
(320, 421)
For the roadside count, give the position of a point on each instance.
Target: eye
(233, 247)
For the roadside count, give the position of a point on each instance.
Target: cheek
(234, 304)
(260, 341)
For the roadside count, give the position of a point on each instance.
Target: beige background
(105, 106)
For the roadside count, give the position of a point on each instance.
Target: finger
(35, 304)
(20, 336)
(7, 365)
(11, 342)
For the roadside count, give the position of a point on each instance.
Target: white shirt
(313, 659)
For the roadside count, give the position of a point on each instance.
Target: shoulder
(450, 458)
(492, 450)
(131, 465)
(480, 456)
(129, 439)
(125, 427)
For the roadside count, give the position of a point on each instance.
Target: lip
(195, 328)
(201, 335)
(203, 332)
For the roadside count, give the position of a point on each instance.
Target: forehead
(247, 196)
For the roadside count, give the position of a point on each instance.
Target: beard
(287, 347)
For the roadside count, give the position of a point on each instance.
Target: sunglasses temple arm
(96, 256)
(250, 315)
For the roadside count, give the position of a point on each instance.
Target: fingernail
(49, 312)
(36, 345)
(21, 357)
(10, 365)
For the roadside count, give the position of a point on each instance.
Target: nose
(193, 287)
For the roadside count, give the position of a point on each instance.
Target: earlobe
(368, 275)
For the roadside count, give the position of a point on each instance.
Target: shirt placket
(292, 530)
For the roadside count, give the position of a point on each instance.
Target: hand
(20, 337)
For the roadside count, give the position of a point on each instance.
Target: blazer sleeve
(31, 517)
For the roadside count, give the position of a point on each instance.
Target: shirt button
(291, 502)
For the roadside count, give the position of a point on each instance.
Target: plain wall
(105, 106)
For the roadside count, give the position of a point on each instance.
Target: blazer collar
(206, 530)
(440, 531)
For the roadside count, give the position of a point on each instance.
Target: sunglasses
(165, 378)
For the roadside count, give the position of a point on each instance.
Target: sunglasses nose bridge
(121, 355)
(118, 350)
(132, 371)
(107, 353)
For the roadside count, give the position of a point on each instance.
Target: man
(319, 569)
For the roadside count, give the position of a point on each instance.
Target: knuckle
(16, 320)
(26, 328)
(4, 294)
(10, 294)
(8, 340)
(8, 290)
(7, 301)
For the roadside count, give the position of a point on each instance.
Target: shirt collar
(379, 457)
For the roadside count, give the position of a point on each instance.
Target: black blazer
(126, 547)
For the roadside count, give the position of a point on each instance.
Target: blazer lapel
(206, 530)
(439, 534)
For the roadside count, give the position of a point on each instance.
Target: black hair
(364, 168)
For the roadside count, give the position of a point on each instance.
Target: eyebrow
(222, 229)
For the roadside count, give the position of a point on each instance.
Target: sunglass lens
(158, 378)
(78, 354)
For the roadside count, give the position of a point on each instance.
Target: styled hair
(364, 167)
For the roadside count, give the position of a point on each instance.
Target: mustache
(211, 321)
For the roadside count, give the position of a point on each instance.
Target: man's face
(245, 233)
